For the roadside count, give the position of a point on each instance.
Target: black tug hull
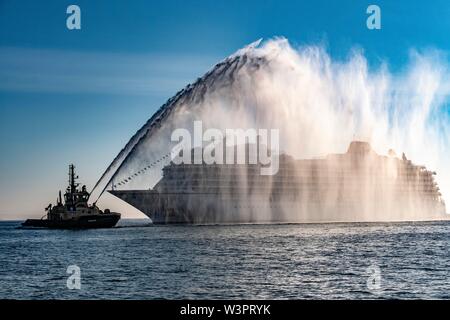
(83, 222)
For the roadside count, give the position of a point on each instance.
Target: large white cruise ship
(356, 186)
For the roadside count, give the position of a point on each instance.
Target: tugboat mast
(72, 178)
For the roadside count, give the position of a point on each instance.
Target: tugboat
(75, 212)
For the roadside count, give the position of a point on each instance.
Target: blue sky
(78, 95)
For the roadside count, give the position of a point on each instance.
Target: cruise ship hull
(196, 208)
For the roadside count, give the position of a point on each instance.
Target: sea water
(137, 260)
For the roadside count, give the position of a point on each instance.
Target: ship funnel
(359, 147)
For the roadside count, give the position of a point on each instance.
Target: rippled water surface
(141, 261)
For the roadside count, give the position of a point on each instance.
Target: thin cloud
(58, 71)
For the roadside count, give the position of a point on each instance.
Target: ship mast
(73, 185)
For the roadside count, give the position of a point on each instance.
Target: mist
(318, 104)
